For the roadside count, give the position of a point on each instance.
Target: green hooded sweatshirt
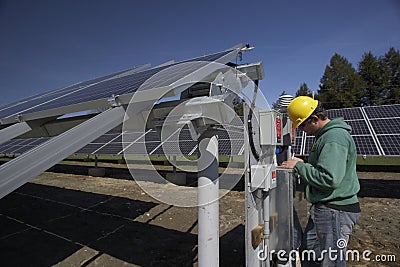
(330, 173)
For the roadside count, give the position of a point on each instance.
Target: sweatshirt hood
(334, 123)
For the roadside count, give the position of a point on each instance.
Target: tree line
(376, 81)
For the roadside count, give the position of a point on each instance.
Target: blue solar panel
(298, 132)
(99, 88)
(365, 145)
(386, 126)
(359, 127)
(386, 111)
(19, 146)
(186, 147)
(346, 113)
(151, 146)
(106, 138)
(88, 149)
(169, 146)
(308, 144)
(110, 149)
(384, 120)
(44, 99)
(297, 145)
(136, 149)
(390, 144)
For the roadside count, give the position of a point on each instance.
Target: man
(331, 183)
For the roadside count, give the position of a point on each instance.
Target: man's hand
(290, 163)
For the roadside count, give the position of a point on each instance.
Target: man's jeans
(326, 236)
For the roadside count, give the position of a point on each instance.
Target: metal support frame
(269, 211)
(13, 131)
(32, 163)
(373, 133)
(208, 201)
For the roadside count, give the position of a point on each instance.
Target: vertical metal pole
(266, 233)
(174, 164)
(266, 212)
(208, 209)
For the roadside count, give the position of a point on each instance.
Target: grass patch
(379, 160)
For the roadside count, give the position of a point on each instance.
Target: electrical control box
(270, 128)
(263, 176)
(288, 134)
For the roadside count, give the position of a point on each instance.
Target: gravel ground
(73, 220)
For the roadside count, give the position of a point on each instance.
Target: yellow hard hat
(300, 109)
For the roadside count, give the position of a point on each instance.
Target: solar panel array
(19, 146)
(375, 130)
(112, 144)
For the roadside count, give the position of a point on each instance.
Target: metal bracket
(113, 101)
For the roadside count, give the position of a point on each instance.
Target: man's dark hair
(320, 112)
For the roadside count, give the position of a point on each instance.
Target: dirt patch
(71, 220)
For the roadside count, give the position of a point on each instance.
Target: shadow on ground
(379, 188)
(44, 225)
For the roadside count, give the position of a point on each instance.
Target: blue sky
(48, 44)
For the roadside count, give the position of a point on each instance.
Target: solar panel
(184, 134)
(100, 88)
(136, 136)
(187, 147)
(12, 145)
(19, 146)
(151, 146)
(152, 136)
(386, 111)
(365, 145)
(346, 113)
(230, 147)
(21, 149)
(88, 149)
(359, 127)
(390, 144)
(109, 149)
(10, 142)
(136, 149)
(106, 138)
(169, 146)
(298, 132)
(297, 145)
(386, 126)
(308, 144)
(44, 99)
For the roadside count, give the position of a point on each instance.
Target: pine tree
(372, 73)
(303, 90)
(340, 85)
(391, 61)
